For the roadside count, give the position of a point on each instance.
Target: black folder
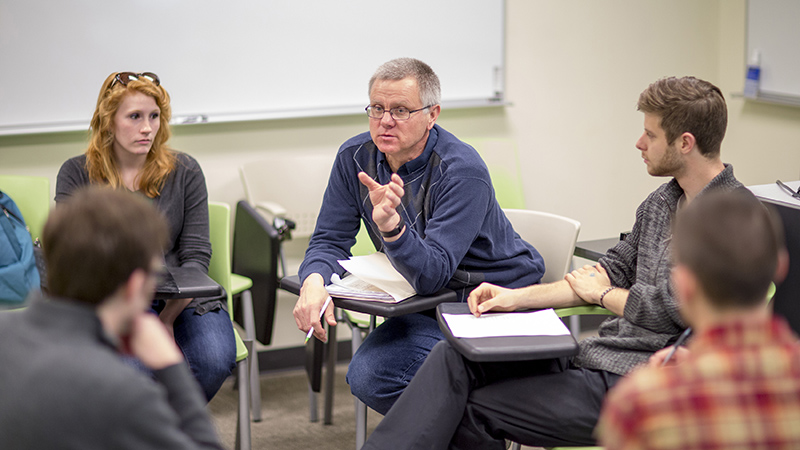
(504, 348)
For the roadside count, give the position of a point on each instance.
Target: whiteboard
(238, 59)
(773, 29)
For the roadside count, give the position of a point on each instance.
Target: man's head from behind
(96, 239)
(730, 248)
(688, 105)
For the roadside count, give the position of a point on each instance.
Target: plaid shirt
(739, 389)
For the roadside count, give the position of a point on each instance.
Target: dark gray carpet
(285, 415)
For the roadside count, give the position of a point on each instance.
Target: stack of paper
(536, 323)
(371, 277)
(355, 288)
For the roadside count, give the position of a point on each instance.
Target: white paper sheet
(376, 269)
(535, 323)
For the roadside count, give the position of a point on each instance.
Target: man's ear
(135, 286)
(433, 114)
(686, 142)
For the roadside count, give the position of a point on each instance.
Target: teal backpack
(18, 272)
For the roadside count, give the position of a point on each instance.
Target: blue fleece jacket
(456, 236)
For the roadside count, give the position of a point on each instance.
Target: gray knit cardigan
(642, 264)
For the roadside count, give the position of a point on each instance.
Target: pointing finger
(367, 181)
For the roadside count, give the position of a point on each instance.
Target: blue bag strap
(9, 229)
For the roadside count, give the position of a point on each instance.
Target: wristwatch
(397, 230)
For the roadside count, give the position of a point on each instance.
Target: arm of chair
(256, 249)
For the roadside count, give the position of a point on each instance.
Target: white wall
(574, 71)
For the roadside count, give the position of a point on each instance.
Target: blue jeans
(207, 343)
(389, 357)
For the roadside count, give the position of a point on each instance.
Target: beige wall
(575, 71)
(763, 140)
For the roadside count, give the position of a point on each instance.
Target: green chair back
(219, 269)
(363, 245)
(502, 160)
(32, 196)
(219, 225)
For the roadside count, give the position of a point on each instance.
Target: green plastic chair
(219, 269)
(502, 160)
(363, 245)
(32, 196)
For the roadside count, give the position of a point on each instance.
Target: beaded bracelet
(604, 294)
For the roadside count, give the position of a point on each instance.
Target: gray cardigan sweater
(184, 203)
(642, 264)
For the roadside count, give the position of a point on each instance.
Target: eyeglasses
(124, 77)
(789, 190)
(399, 113)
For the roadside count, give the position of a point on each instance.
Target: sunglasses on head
(124, 77)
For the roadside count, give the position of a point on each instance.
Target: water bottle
(751, 82)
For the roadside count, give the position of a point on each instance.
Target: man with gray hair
(428, 203)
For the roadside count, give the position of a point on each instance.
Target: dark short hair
(688, 105)
(731, 242)
(96, 239)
